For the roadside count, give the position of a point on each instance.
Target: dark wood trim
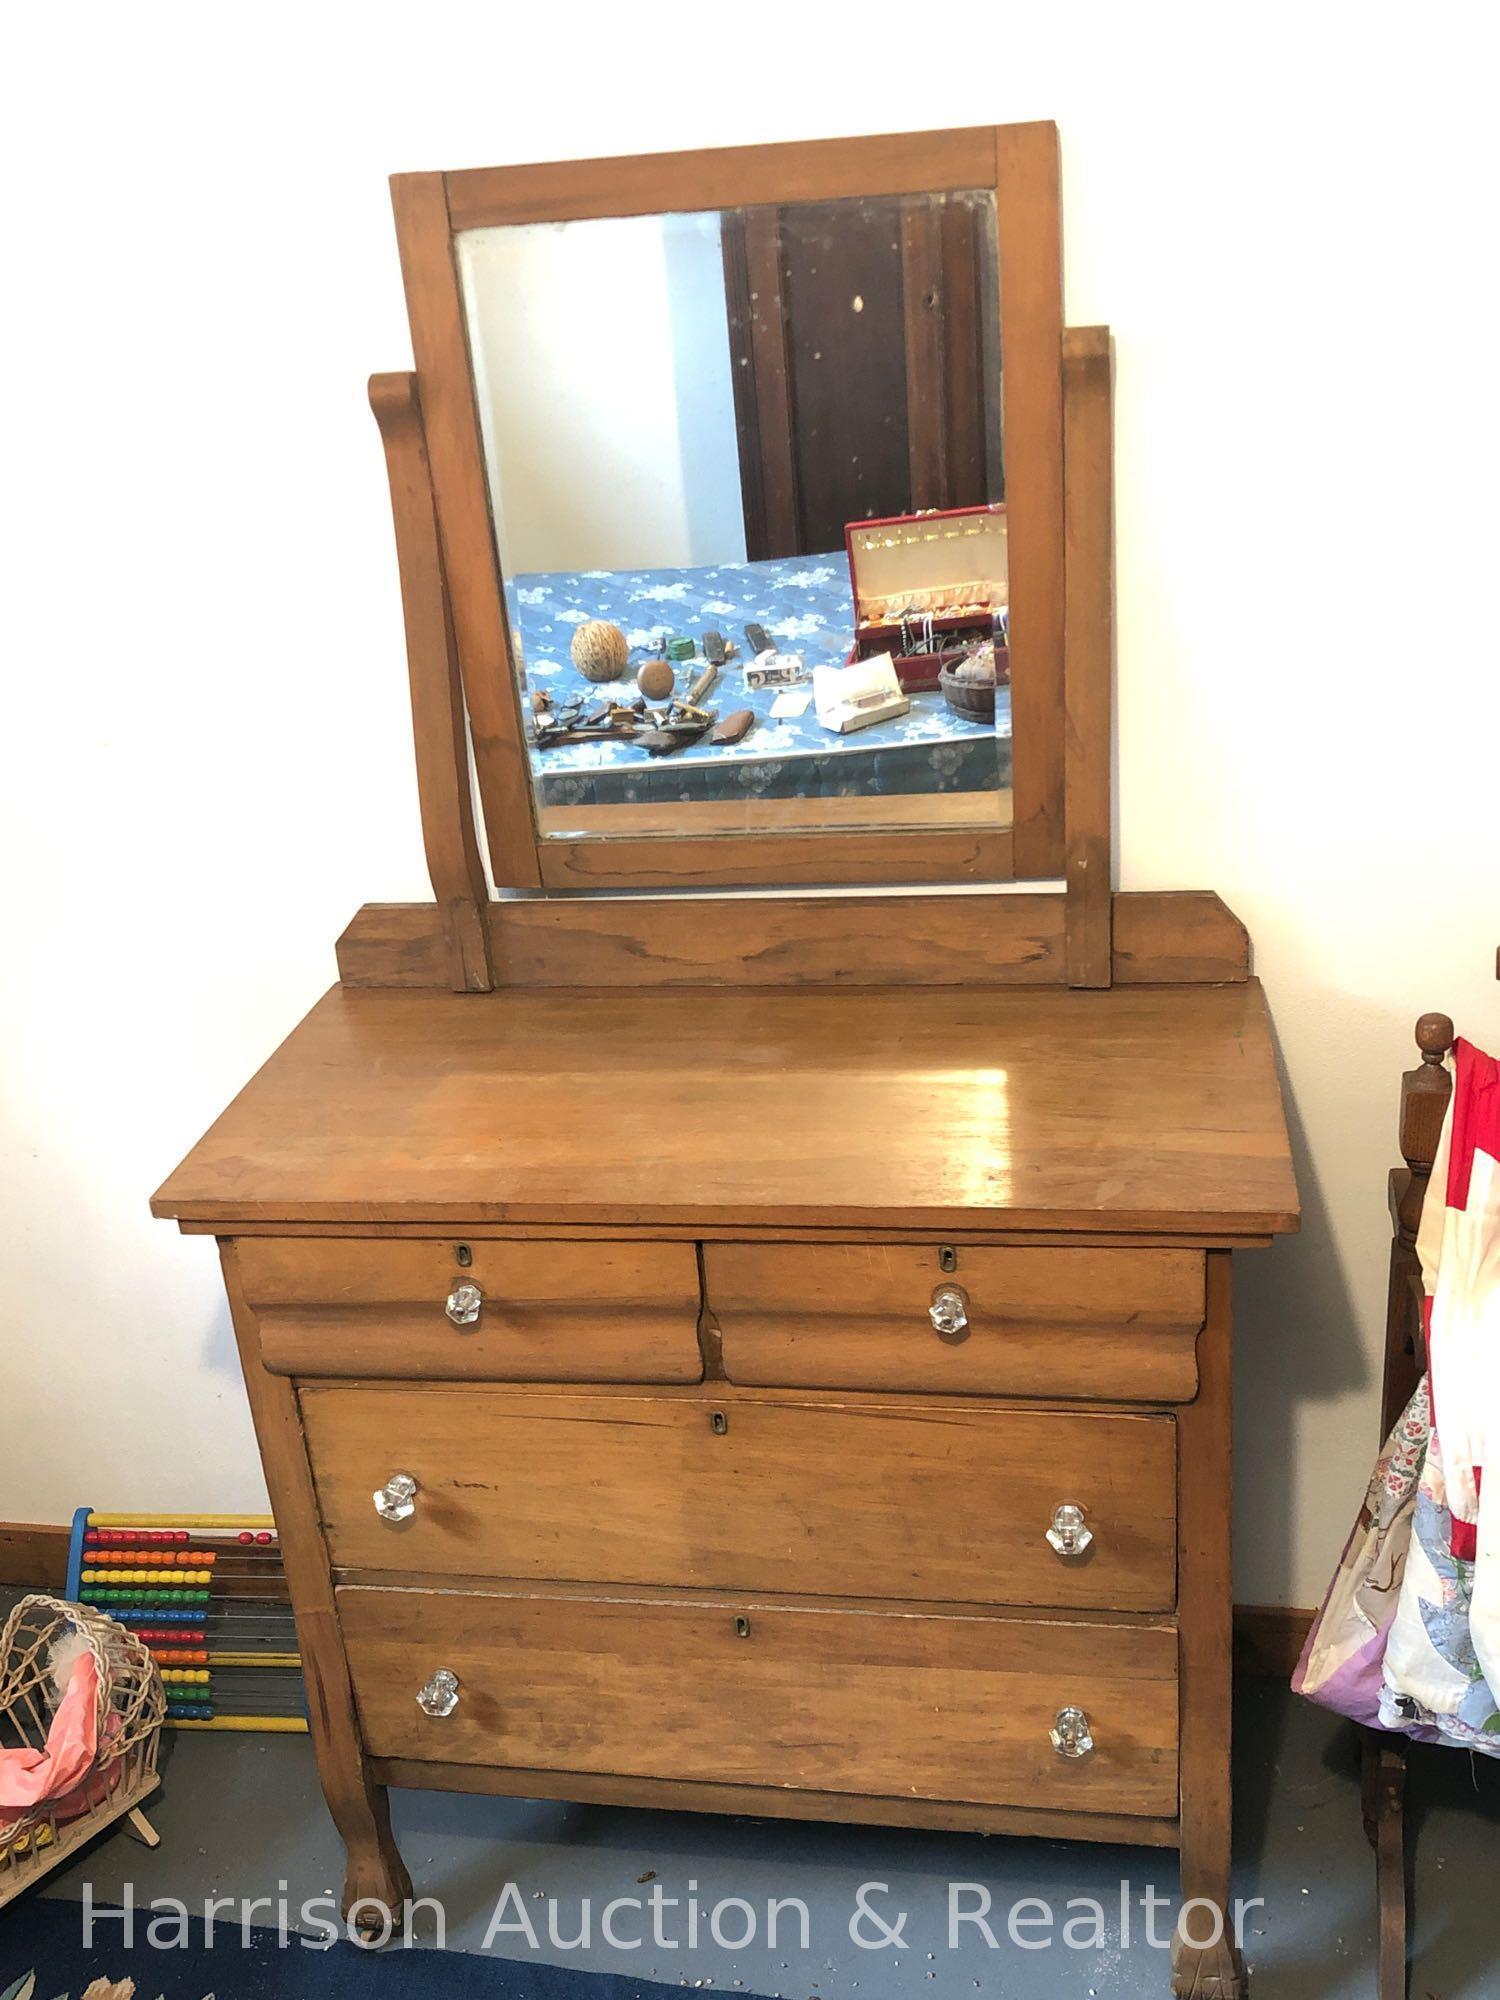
(1021, 164)
(1088, 451)
(761, 380)
(1180, 938)
(439, 732)
(1268, 1638)
(926, 375)
(33, 1556)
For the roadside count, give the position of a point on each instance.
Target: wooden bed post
(1425, 1091)
(449, 835)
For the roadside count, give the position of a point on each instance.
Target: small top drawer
(538, 1310)
(1104, 1324)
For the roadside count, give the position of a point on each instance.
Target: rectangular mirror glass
(746, 476)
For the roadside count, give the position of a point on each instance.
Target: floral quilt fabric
(1408, 1637)
(805, 605)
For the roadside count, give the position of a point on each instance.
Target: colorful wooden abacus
(207, 1595)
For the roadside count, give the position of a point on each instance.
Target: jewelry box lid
(952, 562)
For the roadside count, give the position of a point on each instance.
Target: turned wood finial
(1434, 1037)
(1424, 1100)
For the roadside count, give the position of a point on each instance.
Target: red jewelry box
(948, 565)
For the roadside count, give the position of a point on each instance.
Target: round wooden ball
(600, 650)
(656, 680)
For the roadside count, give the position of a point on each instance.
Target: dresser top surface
(1145, 1110)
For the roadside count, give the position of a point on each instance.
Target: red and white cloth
(1442, 1659)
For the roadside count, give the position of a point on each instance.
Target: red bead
(244, 1536)
(264, 1539)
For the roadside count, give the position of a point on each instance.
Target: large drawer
(936, 1503)
(1109, 1325)
(551, 1310)
(878, 1703)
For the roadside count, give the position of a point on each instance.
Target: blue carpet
(45, 1935)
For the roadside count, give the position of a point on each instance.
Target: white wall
(1285, 212)
(601, 353)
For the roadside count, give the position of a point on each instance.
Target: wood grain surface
(921, 1502)
(553, 1310)
(1185, 937)
(1138, 1109)
(741, 1693)
(1107, 1325)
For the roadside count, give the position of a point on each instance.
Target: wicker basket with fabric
(81, 1710)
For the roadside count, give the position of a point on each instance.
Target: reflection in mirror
(747, 484)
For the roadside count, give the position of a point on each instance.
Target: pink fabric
(38, 1777)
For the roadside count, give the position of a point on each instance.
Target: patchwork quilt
(1408, 1637)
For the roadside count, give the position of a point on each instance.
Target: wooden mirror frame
(1020, 164)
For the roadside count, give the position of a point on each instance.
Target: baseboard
(34, 1557)
(1268, 1638)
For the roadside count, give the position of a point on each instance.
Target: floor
(241, 1817)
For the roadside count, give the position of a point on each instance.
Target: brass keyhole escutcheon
(947, 1258)
(742, 1628)
(718, 1423)
(463, 1256)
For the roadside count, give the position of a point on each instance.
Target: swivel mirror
(759, 451)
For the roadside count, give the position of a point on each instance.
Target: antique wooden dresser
(763, 1345)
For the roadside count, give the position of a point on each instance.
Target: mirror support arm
(444, 791)
(1088, 651)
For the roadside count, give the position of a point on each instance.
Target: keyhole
(463, 1256)
(742, 1628)
(718, 1423)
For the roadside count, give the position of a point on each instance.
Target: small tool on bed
(734, 728)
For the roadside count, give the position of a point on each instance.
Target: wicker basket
(131, 1708)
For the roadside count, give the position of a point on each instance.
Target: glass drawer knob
(440, 1696)
(397, 1499)
(1070, 1733)
(949, 1311)
(1068, 1534)
(464, 1304)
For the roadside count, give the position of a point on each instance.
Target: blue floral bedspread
(804, 604)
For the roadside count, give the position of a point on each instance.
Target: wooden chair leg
(1385, 1823)
(1369, 1783)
